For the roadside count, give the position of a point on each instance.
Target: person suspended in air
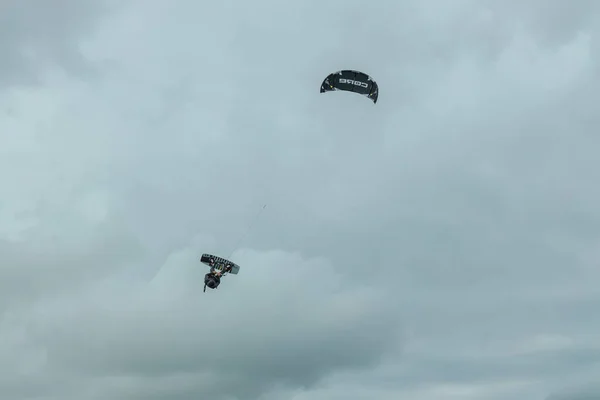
(219, 267)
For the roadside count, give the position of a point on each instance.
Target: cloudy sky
(441, 244)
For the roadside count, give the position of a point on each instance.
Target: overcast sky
(441, 244)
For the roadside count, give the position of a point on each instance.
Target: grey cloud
(36, 35)
(454, 224)
(31, 269)
(589, 392)
(554, 23)
(162, 333)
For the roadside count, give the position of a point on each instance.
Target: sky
(443, 243)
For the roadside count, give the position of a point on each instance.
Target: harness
(220, 267)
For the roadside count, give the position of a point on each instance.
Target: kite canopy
(219, 263)
(351, 81)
